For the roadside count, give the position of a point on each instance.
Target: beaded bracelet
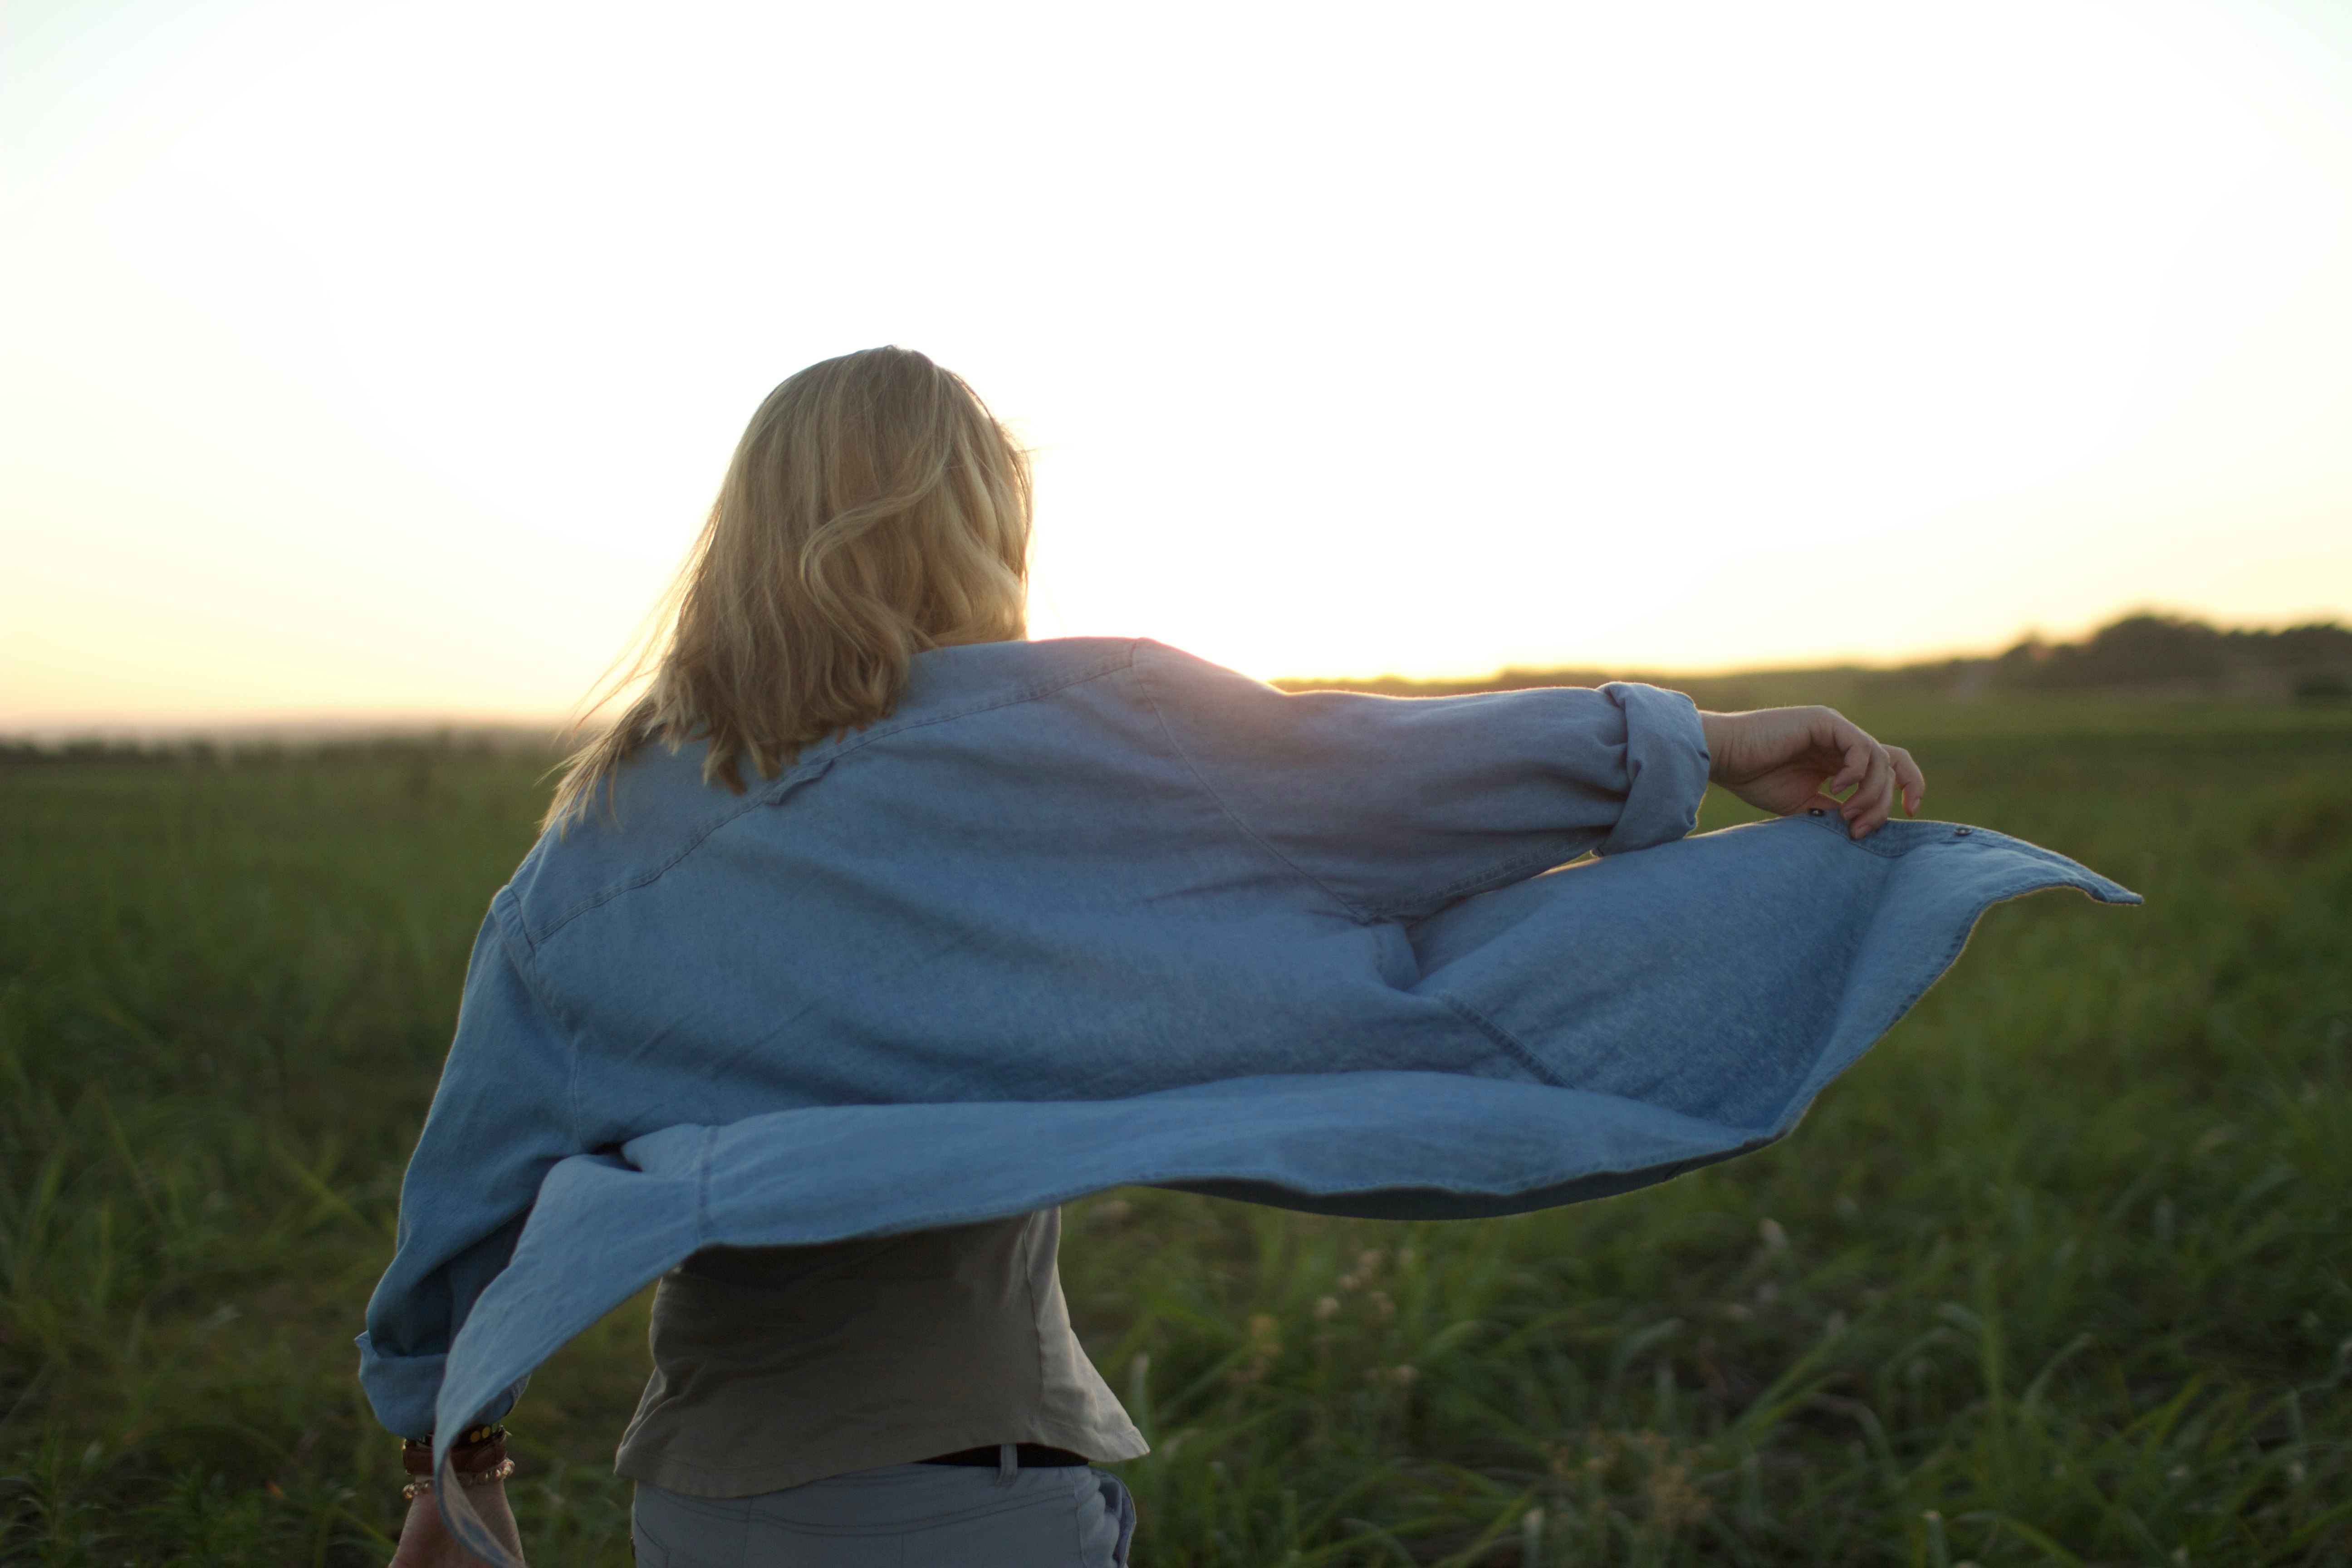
(423, 1484)
(478, 1459)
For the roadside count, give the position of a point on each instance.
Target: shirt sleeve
(500, 1120)
(1398, 806)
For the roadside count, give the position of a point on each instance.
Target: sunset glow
(378, 361)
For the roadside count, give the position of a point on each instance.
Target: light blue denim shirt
(1087, 912)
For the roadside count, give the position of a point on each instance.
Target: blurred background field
(2058, 1275)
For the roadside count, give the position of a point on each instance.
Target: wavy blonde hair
(873, 509)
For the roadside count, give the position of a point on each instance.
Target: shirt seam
(811, 767)
(1516, 869)
(1504, 1038)
(1036, 1328)
(506, 910)
(1360, 914)
(702, 1189)
(884, 729)
(1560, 849)
(1574, 842)
(607, 895)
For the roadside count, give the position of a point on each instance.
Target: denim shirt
(1086, 912)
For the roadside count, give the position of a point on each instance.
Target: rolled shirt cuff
(1666, 764)
(403, 1389)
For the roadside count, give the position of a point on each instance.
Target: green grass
(2059, 1274)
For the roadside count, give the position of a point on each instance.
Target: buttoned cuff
(1666, 764)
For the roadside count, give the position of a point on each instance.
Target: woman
(873, 932)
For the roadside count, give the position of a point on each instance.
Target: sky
(377, 362)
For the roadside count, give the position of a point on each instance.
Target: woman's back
(1080, 871)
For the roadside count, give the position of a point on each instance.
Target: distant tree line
(2140, 654)
(2157, 649)
(294, 745)
(2143, 654)
(2149, 654)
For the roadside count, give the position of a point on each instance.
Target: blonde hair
(873, 509)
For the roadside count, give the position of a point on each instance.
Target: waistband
(1029, 1455)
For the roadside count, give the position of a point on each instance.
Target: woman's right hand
(1787, 760)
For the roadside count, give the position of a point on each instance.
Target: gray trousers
(900, 1516)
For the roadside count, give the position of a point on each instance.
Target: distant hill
(2138, 656)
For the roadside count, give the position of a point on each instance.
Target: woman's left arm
(1398, 806)
(500, 1120)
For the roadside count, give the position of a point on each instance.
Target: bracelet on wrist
(422, 1486)
(478, 1459)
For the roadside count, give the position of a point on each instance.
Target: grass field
(2060, 1274)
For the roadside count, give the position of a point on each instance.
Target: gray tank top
(776, 1366)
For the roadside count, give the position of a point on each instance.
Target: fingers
(1888, 774)
(1778, 758)
(1910, 779)
(1868, 807)
(1853, 748)
(1868, 771)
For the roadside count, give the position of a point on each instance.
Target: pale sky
(377, 361)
